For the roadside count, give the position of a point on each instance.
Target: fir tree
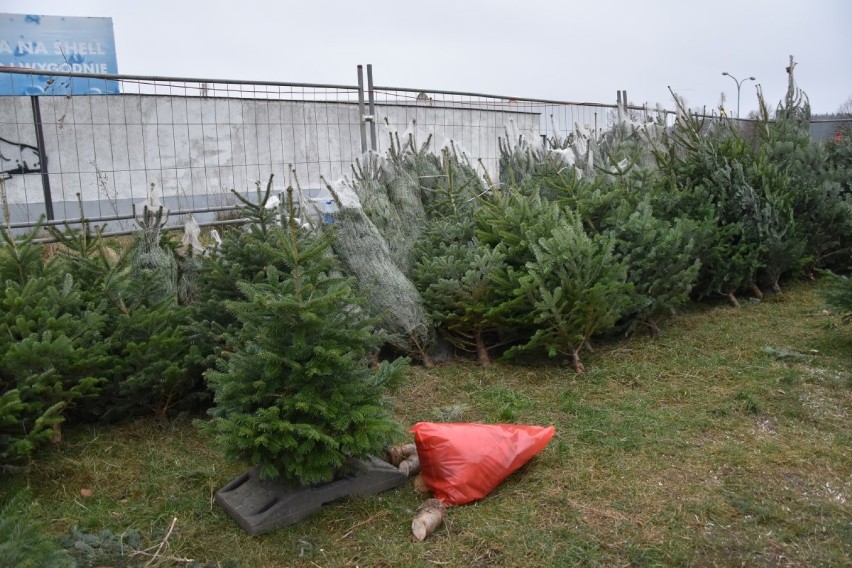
(514, 222)
(155, 367)
(576, 288)
(707, 183)
(458, 288)
(453, 271)
(821, 204)
(293, 390)
(840, 163)
(242, 256)
(661, 263)
(23, 542)
(51, 349)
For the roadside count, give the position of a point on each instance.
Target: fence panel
(186, 142)
(190, 142)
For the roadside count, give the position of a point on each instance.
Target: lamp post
(739, 84)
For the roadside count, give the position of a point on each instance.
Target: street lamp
(739, 84)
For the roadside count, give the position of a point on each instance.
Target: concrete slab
(260, 506)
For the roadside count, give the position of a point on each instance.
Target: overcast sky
(563, 49)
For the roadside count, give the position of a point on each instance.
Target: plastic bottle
(328, 214)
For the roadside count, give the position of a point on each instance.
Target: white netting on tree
(365, 253)
(191, 234)
(155, 268)
(381, 213)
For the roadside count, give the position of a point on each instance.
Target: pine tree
(293, 391)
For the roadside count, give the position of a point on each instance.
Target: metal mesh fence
(189, 142)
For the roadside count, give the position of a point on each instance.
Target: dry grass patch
(697, 448)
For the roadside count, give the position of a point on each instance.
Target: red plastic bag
(461, 463)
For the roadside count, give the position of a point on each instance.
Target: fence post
(372, 105)
(42, 158)
(361, 116)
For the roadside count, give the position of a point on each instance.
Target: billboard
(56, 43)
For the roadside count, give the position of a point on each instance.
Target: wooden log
(410, 465)
(420, 484)
(397, 454)
(430, 516)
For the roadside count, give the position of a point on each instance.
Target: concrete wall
(830, 130)
(110, 149)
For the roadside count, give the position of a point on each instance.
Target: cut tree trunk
(420, 485)
(733, 299)
(426, 359)
(482, 351)
(56, 437)
(398, 454)
(578, 365)
(655, 329)
(430, 516)
(410, 465)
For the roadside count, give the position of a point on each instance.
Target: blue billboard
(56, 43)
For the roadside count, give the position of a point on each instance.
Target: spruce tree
(294, 393)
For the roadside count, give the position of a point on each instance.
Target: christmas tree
(660, 261)
(154, 364)
(838, 294)
(576, 288)
(458, 288)
(51, 347)
(294, 393)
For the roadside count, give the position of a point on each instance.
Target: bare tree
(846, 108)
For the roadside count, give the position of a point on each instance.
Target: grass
(696, 448)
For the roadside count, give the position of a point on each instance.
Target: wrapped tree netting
(390, 199)
(391, 296)
(154, 266)
(384, 210)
